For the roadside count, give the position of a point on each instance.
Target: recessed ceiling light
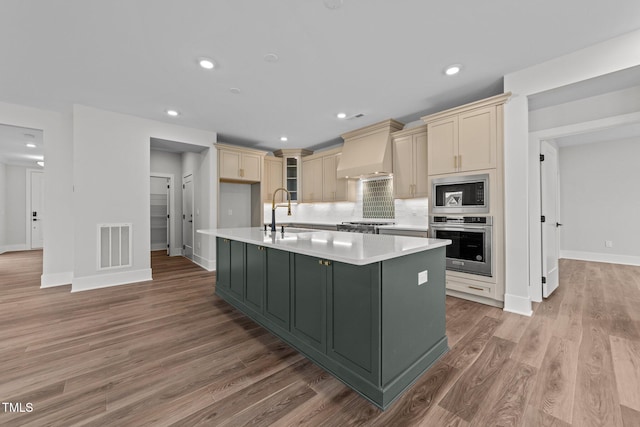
(284, 139)
(341, 115)
(271, 57)
(235, 90)
(30, 145)
(173, 113)
(452, 70)
(41, 164)
(333, 4)
(206, 63)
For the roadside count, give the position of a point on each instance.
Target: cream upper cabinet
(273, 179)
(239, 165)
(312, 180)
(333, 189)
(463, 142)
(410, 163)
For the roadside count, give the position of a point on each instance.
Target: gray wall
(600, 198)
(3, 206)
(237, 199)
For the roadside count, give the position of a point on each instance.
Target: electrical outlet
(423, 277)
(608, 244)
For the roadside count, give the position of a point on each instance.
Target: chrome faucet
(274, 206)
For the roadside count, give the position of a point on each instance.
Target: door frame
(193, 204)
(535, 211)
(172, 208)
(29, 171)
(544, 273)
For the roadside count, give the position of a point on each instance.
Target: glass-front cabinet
(292, 170)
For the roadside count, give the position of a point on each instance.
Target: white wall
(111, 178)
(235, 205)
(16, 218)
(205, 174)
(58, 153)
(171, 164)
(3, 207)
(520, 160)
(599, 201)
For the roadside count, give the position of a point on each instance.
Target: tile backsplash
(377, 198)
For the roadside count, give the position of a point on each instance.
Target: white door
(549, 227)
(36, 211)
(187, 216)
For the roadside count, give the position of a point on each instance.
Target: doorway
(160, 209)
(187, 216)
(549, 221)
(35, 208)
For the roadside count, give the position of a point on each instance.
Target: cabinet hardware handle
(225, 240)
(320, 262)
(476, 288)
(455, 162)
(327, 263)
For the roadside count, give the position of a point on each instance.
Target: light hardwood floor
(169, 352)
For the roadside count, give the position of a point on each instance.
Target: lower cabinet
(255, 272)
(277, 305)
(310, 300)
(236, 279)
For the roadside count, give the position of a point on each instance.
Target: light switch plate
(423, 277)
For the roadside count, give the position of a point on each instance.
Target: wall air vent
(114, 246)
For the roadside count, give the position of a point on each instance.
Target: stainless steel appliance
(471, 248)
(368, 227)
(460, 194)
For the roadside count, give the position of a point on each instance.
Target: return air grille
(114, 246)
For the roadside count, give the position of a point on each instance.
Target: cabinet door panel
(403, 166)
(443, 146)
(421, 163)
(354, 295)
(255, 277)
(309, 301)
(273, 174)
(329, 178)
(236, 282)
(278, 287)
(223, 263)
(251, 167)
(477, 142)
(229, 164)
(312, 180)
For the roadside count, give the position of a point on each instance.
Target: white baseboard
(175, 252)
(56, 279)
(13, 248)
(517, 304)
(158, 246)
(107, 280)
(600, 257)
(207, 264)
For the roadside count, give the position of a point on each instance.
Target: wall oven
(471, 249)
(460, 194)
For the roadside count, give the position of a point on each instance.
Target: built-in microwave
(460, 194)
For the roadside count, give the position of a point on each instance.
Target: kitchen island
(370, 309)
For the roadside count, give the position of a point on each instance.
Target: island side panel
(353, 314)
(413, 318)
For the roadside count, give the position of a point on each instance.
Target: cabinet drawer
(470, 288)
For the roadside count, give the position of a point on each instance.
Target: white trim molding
(14, 248)
(601, 257)
(207, 264)
(517, 304)
(56, 279)
(107, 280)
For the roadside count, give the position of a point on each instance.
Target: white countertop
(350, 248)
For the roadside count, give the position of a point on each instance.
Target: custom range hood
(367, 151)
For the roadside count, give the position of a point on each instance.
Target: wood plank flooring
(170, 353)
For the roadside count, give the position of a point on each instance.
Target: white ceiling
(13, 146)
(377, 57)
